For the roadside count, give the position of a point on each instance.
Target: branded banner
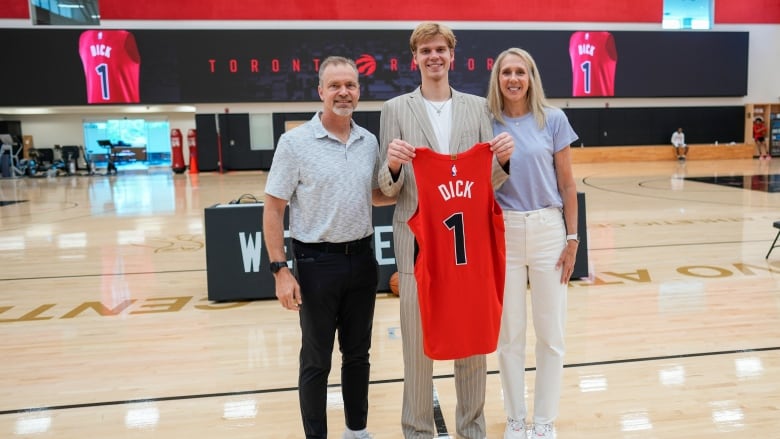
(237, 261)
(108, 66)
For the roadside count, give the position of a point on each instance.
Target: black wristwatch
(276, 266)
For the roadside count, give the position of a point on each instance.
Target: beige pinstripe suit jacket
(405, 117)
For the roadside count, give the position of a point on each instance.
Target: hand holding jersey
(400, 152)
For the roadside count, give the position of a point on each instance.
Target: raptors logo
(366, 64)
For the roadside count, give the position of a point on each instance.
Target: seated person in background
(678, 141)
(759, 136)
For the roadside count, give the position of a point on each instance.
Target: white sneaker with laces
(515, 429)
(362, 434)
(542, 431)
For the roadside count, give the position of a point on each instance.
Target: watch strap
(278, 265)
(573, 237)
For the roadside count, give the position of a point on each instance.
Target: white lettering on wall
(380, 244)
(250, 251)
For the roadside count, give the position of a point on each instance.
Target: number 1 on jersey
(585, 67)
(102, 71)
(455, 223)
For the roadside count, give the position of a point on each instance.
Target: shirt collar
(320, 132)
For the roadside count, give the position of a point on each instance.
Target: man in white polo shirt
(326, 170)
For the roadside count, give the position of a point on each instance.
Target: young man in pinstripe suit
(438, 117)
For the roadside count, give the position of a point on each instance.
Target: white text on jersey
(100, 50)
(457, 188)
(586, 49)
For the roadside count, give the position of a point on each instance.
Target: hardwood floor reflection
(107, 330)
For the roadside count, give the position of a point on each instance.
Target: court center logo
(366, 64)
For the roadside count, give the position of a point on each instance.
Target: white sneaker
(362, 434)
(515, 429)
(542, 431)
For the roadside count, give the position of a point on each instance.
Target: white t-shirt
(678, 138)
(440, 115)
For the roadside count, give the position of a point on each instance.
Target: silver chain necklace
(435, 108)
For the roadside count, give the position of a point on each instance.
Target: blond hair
(534, 97)
(425, 31)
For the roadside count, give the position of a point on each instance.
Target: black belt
(344, 248)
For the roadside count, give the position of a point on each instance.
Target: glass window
(148, 140)
(687, 14)
(261, 132)
(65, 12)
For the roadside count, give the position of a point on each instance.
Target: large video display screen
(147, 66)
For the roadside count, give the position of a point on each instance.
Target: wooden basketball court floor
(106, 330)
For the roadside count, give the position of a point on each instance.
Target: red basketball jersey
(459, 230)
(759, 130)
(111, 66)
(593, 61)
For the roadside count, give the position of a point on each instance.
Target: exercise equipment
(10, 166)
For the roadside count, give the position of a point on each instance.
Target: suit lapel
(420, 113)
(458, 121)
